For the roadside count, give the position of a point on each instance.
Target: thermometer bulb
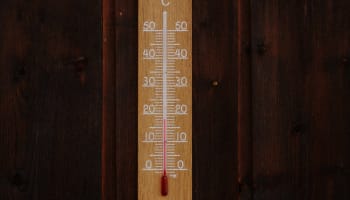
(164, 185)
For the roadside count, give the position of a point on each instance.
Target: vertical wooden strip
(215, 100)
(299, 92)
(327, 96)
(109, 102)
(50, 99)
(126, 98)
(244, 90)
(279, 70)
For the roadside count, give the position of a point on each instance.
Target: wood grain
(120, 100)
(50, 100)
(270, 99)
(126, 98)
(108, 153)
(215, 100)
(300, 133)
(149, 182)
(215, 178)
(244, 90)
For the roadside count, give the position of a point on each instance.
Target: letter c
(165, 3)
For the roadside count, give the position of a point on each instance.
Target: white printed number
(148, 164)
(180, 164)
(181, 81)
(181, 109)
(149, 136)
(181, 25)
(181, 53)
(181, 136)
(149, 53)
(149, 26)
(149, 109)
(149, 81)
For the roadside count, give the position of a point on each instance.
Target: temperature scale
(165, 100)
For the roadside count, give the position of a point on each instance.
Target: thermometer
(165, 100)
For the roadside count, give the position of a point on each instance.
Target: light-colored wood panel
(165, 75)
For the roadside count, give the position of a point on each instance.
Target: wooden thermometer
(165, 100)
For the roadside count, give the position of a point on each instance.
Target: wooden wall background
(300, 84)
(50, 99)
(276, 127)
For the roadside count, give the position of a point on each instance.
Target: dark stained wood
(328, 96)
(109, 103)
(273, 126)
(215, 105)
(277, 99)
(50, 100)
(126, 98)
(244, 137)
(300, 86)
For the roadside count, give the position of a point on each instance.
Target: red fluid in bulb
(164, 184)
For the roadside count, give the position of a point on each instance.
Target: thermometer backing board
(165, 100)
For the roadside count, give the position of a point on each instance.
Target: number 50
(181, 25)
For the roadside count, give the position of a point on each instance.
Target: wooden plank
(278, 68)
(327, 91)
(298, 102)
(244, 90)
(120, 100)
(280, 62)
(108, 153)
(50, 100)
(166, 172)
(215, 100)
(126, 98)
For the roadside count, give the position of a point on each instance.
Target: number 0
(148, 164)
(180, 164)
